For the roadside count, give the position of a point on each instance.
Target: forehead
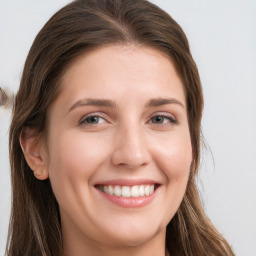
(121, 72)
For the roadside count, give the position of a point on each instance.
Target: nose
(131, 149)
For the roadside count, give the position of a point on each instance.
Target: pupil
(93, 120)
(158, 119)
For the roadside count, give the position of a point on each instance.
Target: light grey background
(222, 36)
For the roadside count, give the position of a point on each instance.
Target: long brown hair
(35, 227)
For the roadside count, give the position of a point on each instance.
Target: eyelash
(83, 120)
(170, 119)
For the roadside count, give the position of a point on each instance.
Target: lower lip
(129, 202)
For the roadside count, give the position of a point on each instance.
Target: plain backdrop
(222, 37)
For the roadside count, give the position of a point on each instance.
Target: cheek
(74, 159)
(174, 155)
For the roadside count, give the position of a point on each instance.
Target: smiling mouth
(128, 191)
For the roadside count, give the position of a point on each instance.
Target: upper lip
(128, 182)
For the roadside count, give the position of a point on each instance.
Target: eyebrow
(163, 101)
(93, 102)
(109, 103)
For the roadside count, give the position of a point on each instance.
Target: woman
(105, 138)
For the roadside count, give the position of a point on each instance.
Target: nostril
(130, 160)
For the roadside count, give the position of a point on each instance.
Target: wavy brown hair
(35, 227)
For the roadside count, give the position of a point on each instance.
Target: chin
(134, 236)
(131, 240)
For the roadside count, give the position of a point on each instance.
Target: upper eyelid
(164, 114)
(97, 114)
(172, 118)
(169, 119)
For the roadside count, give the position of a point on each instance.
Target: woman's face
(119, 148)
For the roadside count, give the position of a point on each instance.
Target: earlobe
(34, 152)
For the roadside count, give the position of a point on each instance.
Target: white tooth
(146, 189)
(126, 192)
(135, 191)
(118, 191)
(105, 189)
(142, 191)
(151, 189)
(110, 190)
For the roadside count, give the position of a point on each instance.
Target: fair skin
(119, 121)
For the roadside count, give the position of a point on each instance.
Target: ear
(34, 151)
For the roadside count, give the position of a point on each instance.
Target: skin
(126, 142)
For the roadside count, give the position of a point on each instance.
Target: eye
(163, 120)
(92, 119)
